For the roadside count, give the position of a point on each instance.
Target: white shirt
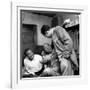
(35, 65)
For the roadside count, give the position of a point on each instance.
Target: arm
(47, 58)
(50, 56)
(65, 39)
(64, 42)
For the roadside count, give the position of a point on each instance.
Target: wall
(57, 20)
(39, 20)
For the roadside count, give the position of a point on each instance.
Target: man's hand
(66, 54)
(46, 58)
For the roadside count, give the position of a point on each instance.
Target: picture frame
(16, 80)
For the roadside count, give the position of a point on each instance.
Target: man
(50, 61)
(63, 46)
(33, 63)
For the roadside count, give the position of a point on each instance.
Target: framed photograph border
(16, 81)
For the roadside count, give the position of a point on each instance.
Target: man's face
(30, 54)
(48, 34)
(47, 48)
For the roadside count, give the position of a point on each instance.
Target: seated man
(33, 63)
(51, 61)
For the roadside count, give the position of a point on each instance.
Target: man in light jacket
(63, 46)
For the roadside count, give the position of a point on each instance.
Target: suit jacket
(62, 42)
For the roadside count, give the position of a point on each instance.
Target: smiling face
(47, 48)
(30, 54)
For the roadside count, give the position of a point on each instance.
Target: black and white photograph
(49, 43)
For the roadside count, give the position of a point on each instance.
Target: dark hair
(44, 29)
(64, 25)
(25, 52)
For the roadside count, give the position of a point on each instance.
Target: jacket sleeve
(65, 38)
